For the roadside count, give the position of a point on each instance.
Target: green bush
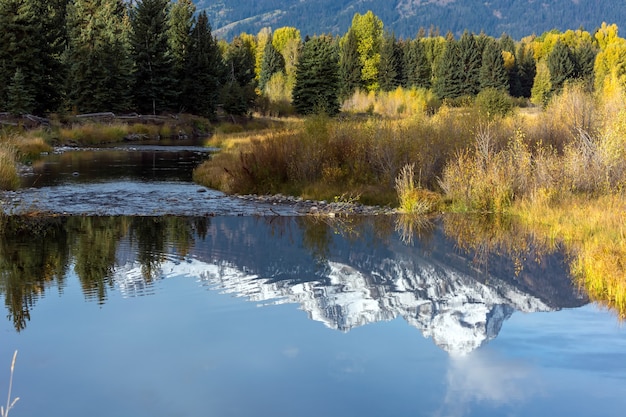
(494, 102)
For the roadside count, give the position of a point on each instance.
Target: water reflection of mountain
(356, 281)
(345, 275)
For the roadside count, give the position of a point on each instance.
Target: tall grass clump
(9, 179)
(94, 133)
(412, 198)
(488, 177)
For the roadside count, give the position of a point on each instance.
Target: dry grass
(412, 198)
(4, 412)
(99, 133)
(9, 179)
(323, 156)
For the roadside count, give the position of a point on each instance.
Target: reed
(4, 412)
(9, 179)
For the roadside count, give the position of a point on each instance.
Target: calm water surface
(174, 300)
(293, 316)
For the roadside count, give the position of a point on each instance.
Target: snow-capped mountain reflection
(432, 285)
(459, 313)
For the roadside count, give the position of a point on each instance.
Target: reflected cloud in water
(484, 378)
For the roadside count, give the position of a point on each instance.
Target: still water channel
(189, 310)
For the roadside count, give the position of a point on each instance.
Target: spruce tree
(507, 46)
(561, 65)
(349, 66)
(470, 61)
(205, 71)
(417, 69)
(585, 58)
(21, 98)
(154, 75)
(181, 20)
(98, 56)
(389, 69)
(238, 95)
(20, 46)
(53, 45)
(272, 63)
(317, 77)
(527, 69)
(447, 80)
(492, 72)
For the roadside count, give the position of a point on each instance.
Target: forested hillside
(518, 18)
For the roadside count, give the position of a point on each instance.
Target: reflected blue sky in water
(183, 351)
(226, 332)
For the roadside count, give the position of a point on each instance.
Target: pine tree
(205, 71)
(492, 72)
(53, 45)
(181, 20)
(470, 61)
(272, 63)
(507, 47)
(21, 98)
(349, 66)
(561, 65)
(154, 67)
(98, 56)
(238, 94)
(417, 69)
(447, 80)
(20, 46)
(585, 58)
(527, 69)
(317, 77)
(389, 69)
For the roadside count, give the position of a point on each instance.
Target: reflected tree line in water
(36, 253)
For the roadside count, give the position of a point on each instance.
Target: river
(138, 293)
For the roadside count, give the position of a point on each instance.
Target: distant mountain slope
(518, 18)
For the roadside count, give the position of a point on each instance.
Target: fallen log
(95, 115)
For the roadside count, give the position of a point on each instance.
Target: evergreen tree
(272, 63)
(492, 72)
(389, 69)
(349, 66)
(205, 71)
(53, 44)
(561, 65)
(585, 58)
(417, 69)
(181, 21)
(238, 94)
(20, 46)
(317, 77)
(98, 56)
(21, 98)
(527, 69)
(507, 43)
(154, 67)
(448, 80)
(239, 60)
(470, 62)
(507, 46)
